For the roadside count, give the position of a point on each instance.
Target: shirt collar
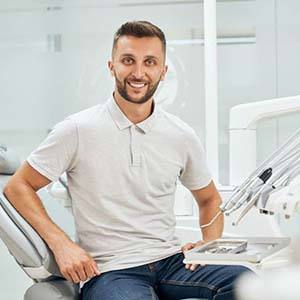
(123, 122)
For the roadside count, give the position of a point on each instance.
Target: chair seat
(52, 290)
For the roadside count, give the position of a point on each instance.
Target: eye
(127, 60)
(150, 62)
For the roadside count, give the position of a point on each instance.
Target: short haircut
(140, 29)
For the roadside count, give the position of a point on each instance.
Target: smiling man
(137, 83)
(123, 160)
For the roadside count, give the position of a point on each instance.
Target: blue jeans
(166, 279)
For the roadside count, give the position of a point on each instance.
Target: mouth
(137, 85)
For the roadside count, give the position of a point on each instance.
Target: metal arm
(273, 174)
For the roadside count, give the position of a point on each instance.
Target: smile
(137, 85)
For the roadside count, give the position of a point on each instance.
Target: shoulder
(87, 115)
(173, 122)
(68, 128)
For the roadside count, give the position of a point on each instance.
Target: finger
(187, 266)
(188, 246)
(89, 271)
(95, 268)
(193, 267)
(74, 276)
(81, 274)
(183, 248)
(92, 269)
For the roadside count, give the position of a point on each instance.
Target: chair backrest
(24, 244)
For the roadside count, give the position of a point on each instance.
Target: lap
(167, 279)
(118, 285)
(204, 282)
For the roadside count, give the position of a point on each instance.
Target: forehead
(145, 46)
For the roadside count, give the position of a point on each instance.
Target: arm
(194, 174)
(75, 264)
(209, 200)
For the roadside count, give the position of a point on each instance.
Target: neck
(134, 112)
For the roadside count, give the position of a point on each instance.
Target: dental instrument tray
(230, 250)
(223, 246)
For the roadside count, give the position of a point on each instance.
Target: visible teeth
(137, 85)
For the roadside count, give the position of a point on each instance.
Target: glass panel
(54, 63)
(247, 69)
(258, 71)
(34, 55)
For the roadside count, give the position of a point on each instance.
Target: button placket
(135, 147)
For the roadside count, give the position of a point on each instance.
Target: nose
(139, 71)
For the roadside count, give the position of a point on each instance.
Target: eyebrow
(131, 55)
(151, 56)
(127, 54)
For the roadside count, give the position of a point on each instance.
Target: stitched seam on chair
(59, 294)
(190, 283)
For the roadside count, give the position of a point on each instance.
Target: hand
(75, 263)
(190, 246)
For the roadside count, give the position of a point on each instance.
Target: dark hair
(140, 29)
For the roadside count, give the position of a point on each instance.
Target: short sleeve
(57, 153)
(195, 173)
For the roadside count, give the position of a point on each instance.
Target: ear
(165, 70)
(111, 67)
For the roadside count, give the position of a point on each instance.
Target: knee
(226, 289)
(237, 271)
(229, 275)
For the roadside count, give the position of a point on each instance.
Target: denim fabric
(166, 279)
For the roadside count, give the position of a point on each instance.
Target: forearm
(207, 212)
(26, 201)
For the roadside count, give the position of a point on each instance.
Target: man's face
(138, 65)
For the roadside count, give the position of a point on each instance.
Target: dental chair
(28, 248)
(33, 256)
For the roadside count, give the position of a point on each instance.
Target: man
(123, 160)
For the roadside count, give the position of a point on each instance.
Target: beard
(122, 89)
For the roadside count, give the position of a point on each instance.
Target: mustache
(136, 80)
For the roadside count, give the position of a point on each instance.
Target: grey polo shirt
(122, 179)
